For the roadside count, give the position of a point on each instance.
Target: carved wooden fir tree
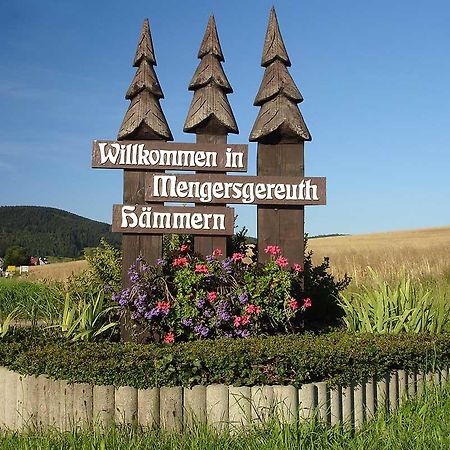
(210, 115)
(280, 132)
(144, 119)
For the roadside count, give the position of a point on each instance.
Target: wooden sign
(159, 155)
(222, 189)
(146, 219)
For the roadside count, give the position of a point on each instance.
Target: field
(56, 271)
(423, 253)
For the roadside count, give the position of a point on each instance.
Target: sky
(375, 77)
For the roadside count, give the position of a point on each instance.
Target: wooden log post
(210, 116)
(144, 119)
(280, 132)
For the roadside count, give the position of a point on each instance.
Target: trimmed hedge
(337, 357)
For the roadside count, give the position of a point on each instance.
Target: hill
(47, 231)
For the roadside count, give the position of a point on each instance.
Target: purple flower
(123, 302)
(161, 262)
(243, 298)
(152, 313)
(200, 303)
(224, 316)
(201, 330)
(208, 314)
(228, 334)
(210, 259)
(245, 334)
(186, 322)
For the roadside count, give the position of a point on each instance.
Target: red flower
(183, 261)
(217, 252)
(237, 256)
(237, 321)
(293, 304)
(272, 250)
(169, 338)
(307, 303)
(201, 268)
(253, 309)
(164, 306)
(212, 296)
(298, 267)
(184, 248)
(245, 320)
(282, 261)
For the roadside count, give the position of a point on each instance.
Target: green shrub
(337, 357)
(104, 269)
(408, 306)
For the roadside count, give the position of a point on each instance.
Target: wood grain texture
(144, 117)
(274, 47)
(279, 117)
(145, 46)
(210, 86)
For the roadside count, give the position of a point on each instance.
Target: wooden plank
(223, 189)
(203, 156)
(150, 219)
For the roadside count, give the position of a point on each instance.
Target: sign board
(159, 155)
(11, 269)
(146, 219)
(223, 189)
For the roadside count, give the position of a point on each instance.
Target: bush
(189, 297)
(104, 271)
(337, 357)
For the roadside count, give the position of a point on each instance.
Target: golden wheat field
(421, 252)
(56, 271)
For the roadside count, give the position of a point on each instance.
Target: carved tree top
(274, 47)
(210, 108)
(279, 117)
(144, 118)
(145, 46)
(210, 43)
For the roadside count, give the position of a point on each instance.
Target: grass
(419, 424)
(32, 301)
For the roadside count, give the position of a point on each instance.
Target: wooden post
(280, 132)
(210, 115)
(144, 119)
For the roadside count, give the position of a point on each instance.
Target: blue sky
(375, 77)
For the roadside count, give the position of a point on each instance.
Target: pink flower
(237, 321)
(237, 256)
(164, 306)
(245, 320)
(272, 250)
(212, 296)
(253, 309)
(183, 261)
(298, 267)
(184, 248)
(169, 338)
(217, 252)
(282, 261)
(307, 303)
(293, 304)
(201, 268)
